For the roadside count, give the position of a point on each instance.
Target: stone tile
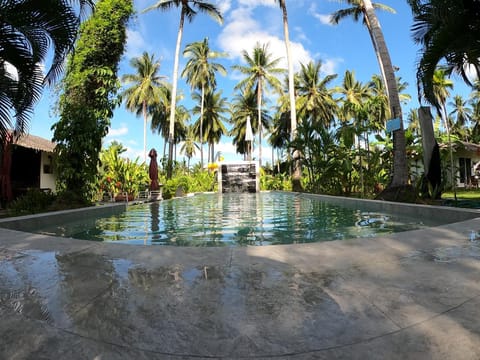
(51, 287)
(415, 289)
(229, 312)
(28, 339)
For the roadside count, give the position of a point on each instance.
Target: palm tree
(145, 89)
(28, 29)
(213, 125)
(297, 170)
(441, 85)
(260, 71)
(463, 116)
(189, 147)
(189, 8)
(357, 12)
(315, 99)
(400, 171)
(161, 114)
(448, 30)
(244, 105)
(200, 74)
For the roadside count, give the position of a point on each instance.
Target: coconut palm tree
(260, 73)
(213, 125)
(146, 87)
(315, 99)
(400, 171)
(448, 30)
(188, 10)
(357, 12)
(200, 74)
(463, 116)
(160, 112)
(441, 85)
(28, 30)
(244, 105)
(297, 170)
(189, 146)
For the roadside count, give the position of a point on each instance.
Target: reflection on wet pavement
(113, 307)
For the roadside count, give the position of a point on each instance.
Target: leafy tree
(189, 9)
(260, 73)
(89, 96)
(189, 146)
(400, 170)
(28, 30)
(463, 116)
(448, 30)
(145, 90)
(161, 113)
(315, 99)
(244, 104)
(200, 74)
(213, 125)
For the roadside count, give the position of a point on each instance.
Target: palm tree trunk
(377, 53)
(400, 171)
(297, 170)
(174, 96)
(259, 109)
(201, 127)
(144, 108)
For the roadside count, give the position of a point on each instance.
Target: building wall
(47, 173)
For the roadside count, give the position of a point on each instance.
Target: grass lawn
(463, 194)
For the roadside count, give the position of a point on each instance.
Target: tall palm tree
(260, 71)
(357, 12)
(245, 105)
(463, 116)
(297, 170)
(315, 99)
(189, 146)
(400, 171)
(213, 125)
(200, 74)
(441, 85)
(448, 30)
(28, 29)
(188, 9)
(145, 89)
(160, 112)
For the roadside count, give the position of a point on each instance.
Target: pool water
(235, 219)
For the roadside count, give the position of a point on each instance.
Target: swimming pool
(237, 219)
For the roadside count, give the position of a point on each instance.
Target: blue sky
(346, 46)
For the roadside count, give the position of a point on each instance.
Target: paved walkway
(414, 295)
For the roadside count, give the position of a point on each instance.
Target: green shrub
(34, 201)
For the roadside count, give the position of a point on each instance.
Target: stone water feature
(242, 176)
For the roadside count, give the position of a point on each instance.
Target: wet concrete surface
(413, 295)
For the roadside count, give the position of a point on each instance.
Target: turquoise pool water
(235, 219)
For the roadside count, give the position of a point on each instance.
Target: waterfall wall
(242, 176)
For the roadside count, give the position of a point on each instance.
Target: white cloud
(224, 5)
(123, 130)
(255, 3)
(323, 18)
(242, 32)
(227, 149)
(136, 44)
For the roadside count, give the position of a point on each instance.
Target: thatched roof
(35, 142)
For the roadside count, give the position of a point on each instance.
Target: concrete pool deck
(412, 295)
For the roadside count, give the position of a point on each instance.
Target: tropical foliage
(29, 29)
(119, 174)
(89, 96)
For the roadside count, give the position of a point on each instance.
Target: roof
(35, 142)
